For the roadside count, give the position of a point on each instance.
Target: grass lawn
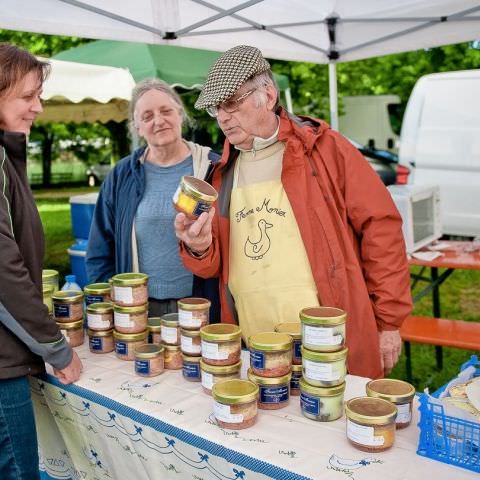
(460, 294)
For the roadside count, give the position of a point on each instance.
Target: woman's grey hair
(260, 82)
(145, 86)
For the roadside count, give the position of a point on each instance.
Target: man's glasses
(229, 106)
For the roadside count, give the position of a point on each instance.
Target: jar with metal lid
(294, 329)
(47, 290)
(323, 328)
(170, 329)
(190, 342)
(50, 277)
(101, 341)
(130, 289)
(235, 403)
(173, 357)
(221, 344)
(154, 328)
(294, 382)
(211, 374)
(149, 360)
(130, 319)
(320, 403)
(67, 305)
(100, 316)
(191, 368)
(97, 293)
(274, 392)
(324, 369)
(193, 196)
(193, 313)
(370, 423)
(270, 354)
(73, 332)
(125, 344)
(396, 391)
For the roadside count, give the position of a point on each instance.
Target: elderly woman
(132, 228)
(28, 336)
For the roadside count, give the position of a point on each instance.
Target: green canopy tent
(180, 67)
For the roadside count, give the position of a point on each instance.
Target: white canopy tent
(78, 92)
(323, 31)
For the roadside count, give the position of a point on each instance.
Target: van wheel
(92, 180)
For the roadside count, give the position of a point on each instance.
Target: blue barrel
(77, 254)
(81, 211)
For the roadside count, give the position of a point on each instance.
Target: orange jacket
(350, 227)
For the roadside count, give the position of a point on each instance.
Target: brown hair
(15, 63)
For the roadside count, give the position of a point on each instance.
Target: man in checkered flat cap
(301, 220)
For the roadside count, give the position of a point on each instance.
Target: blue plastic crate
(449, 439)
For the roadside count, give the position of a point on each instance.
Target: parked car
(96, 173)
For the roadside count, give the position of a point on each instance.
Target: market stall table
(113, 424)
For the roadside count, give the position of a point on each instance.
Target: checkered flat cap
(229, 73)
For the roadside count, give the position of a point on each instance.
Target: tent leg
(332, 80)
(288, 100)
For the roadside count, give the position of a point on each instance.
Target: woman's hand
(195, 234)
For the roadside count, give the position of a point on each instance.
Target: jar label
(123, 294)
(320, 371)
(257, 359)
(65, 334)
(294, 382)
(123, 320)
(121, 348)
(297, 349)
(310, 404)
(186, 319)
(89, 299)
(211, 351)
(207, 380)
(191, 370)
(320, 336)
(95, 321)
(222, 412)
(200, 208)
(96, 343)
(169, 334)
(274, 394)
(61, 310)
(363, 435)
(404, 413)
(188, 346)
(142, 366)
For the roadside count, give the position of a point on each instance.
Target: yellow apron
(269, 274)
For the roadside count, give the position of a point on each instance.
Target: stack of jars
(99, 317)
(169, 338)
(271, 368)
(49, 287)
(324, 358)
(68, 313)
(294, 329)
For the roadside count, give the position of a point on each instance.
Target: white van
(440, 143)
(366, 119)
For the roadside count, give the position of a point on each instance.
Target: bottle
(71, 283)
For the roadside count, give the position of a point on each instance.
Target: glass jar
(97, 293)
(154, 328)
(170, 329)
(173, 357)
(130, 289)
(100, 316)
(274, 392)
(211, 374)
(149, 360)
(324, 369)
(67, 306)
(50, 277)
(221, 344)
(323, 328)
(397, 392)
(125, 344)
(294, 329)
(47, 290)
(190, 341)
(130, 319)
(370, 423)
(191, 368)
(294, 382)
(235, 403)
(321, 404)
(193, 313)
(73, 332)
(270, 354)
(101, 341)
(193, 196)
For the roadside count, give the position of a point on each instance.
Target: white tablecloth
(113, 424)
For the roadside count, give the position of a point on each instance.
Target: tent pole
(288, 100)
(332, 80)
